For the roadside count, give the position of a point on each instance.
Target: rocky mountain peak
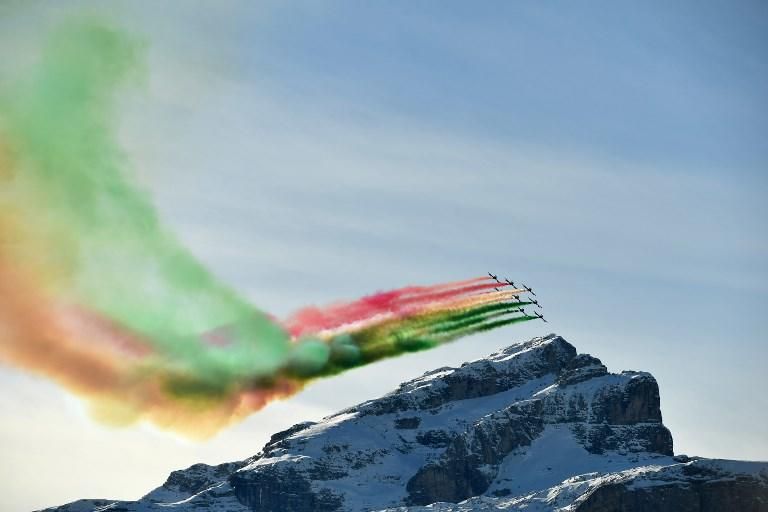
(499, 372)
(501, 430)
(446, 436)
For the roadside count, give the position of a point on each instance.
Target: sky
(611, 154)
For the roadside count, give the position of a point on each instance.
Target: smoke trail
(313, 319)
(81, 234)
(388, 337)
(451, 319)
(450, 336)
(98, 295)
(111, 251)
(391, 303)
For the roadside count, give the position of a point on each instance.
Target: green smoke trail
(470, 321)
(482, 327)
(440, 328)
(449, 318)
(105, 246)
(434, 335)
(413, 334)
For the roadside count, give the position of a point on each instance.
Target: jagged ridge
(524, 421)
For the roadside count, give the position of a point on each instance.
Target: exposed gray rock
(743, 493)
(478, 379)
(435, 438)
(580, 368)
(698, 486)
(284, 489)
(470, 462)
(408, 423)
(192, 480)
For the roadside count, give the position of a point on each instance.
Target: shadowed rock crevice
(470, 463)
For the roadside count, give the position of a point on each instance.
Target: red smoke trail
(314, 319)
(424, 313)
(426, 299)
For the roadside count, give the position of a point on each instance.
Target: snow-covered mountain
(534, 427)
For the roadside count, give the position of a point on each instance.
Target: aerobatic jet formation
(515, 299)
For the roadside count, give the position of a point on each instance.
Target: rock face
(706, 486)
(535, 426)
(686, 485)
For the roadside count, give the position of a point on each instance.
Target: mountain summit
(533, 427)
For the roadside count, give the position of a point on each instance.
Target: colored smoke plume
(98, 295)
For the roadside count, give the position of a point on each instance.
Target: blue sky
(611, 154)
(594, 78)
